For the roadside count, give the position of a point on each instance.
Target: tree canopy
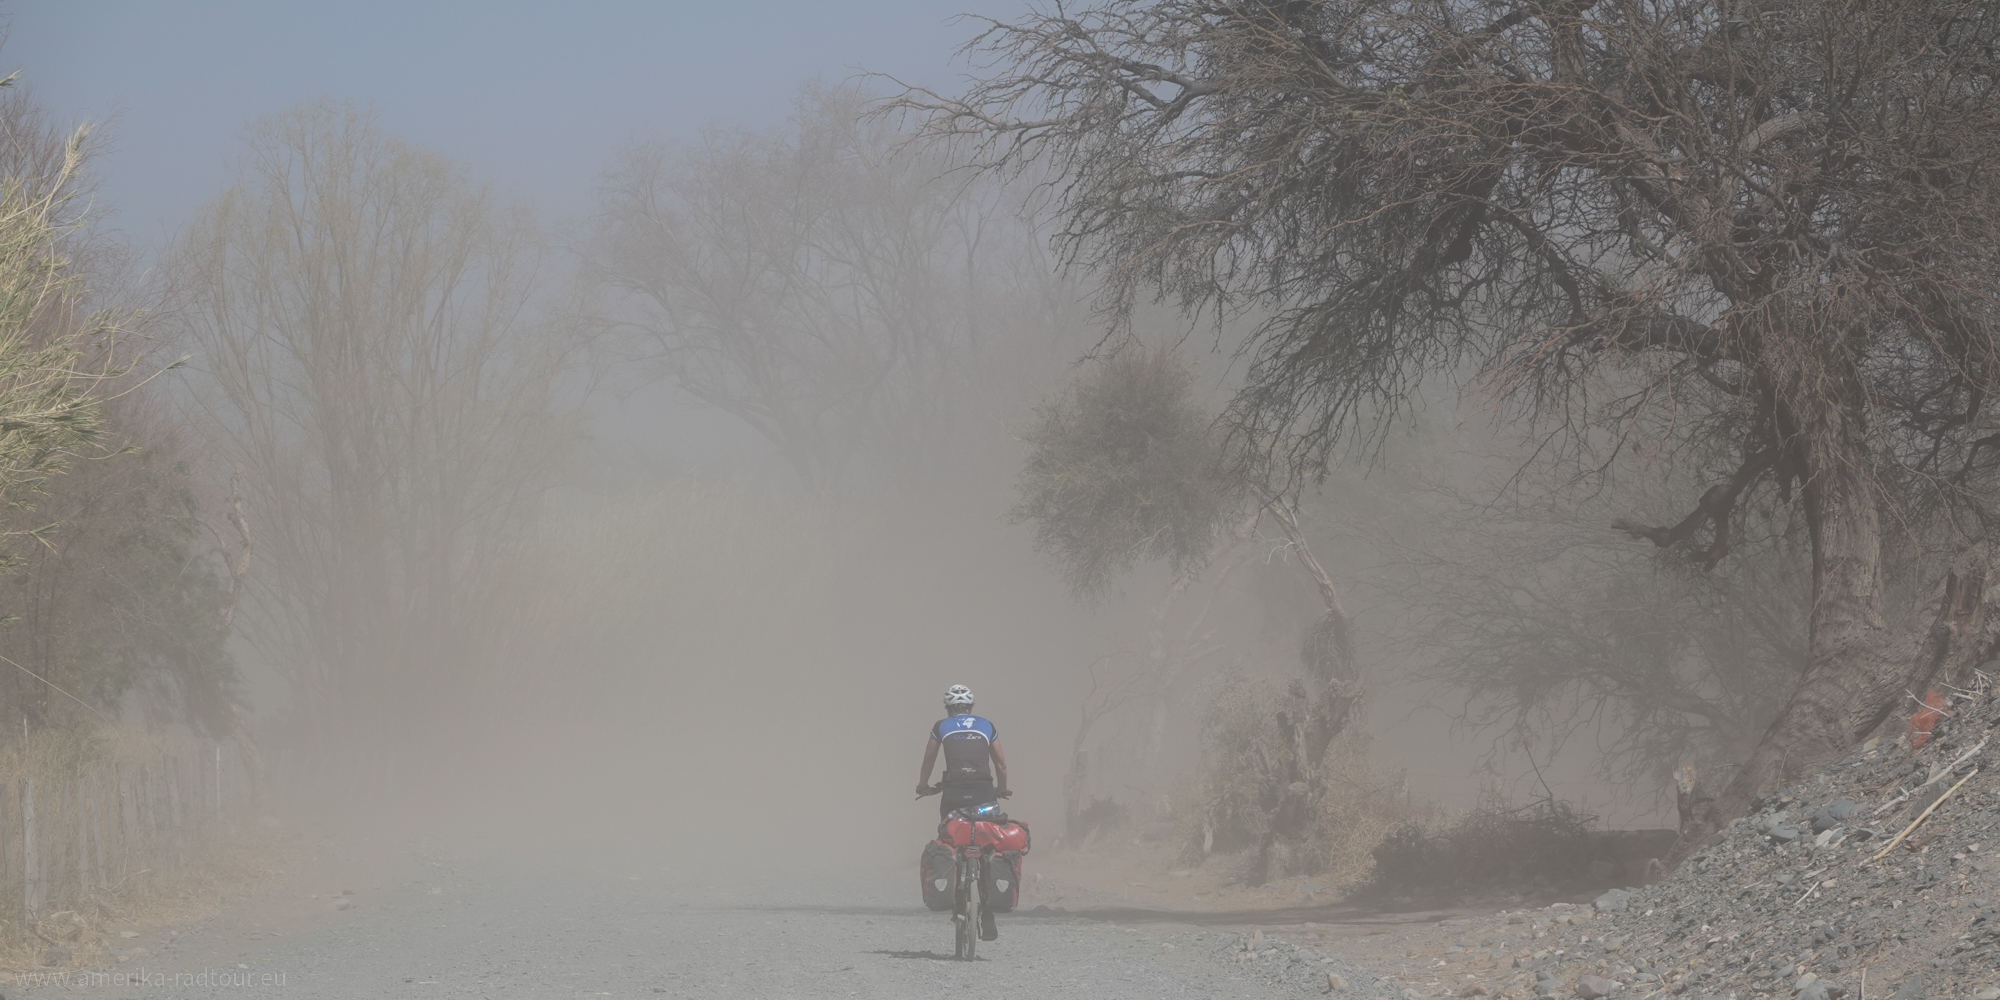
(360, 311)
(1124, 466)
(1768, 226)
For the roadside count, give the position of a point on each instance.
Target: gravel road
(425, 926)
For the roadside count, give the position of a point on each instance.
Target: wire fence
(71, 842)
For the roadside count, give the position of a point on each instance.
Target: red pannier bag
(1009, 836)
(1001, 875)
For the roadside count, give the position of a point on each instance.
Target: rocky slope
(1830, 889)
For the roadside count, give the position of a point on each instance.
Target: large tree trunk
(1851, 682)
(1858, 673)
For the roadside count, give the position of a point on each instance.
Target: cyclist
(972, 762)
(975, 768)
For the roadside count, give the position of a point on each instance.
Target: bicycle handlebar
(931, 790)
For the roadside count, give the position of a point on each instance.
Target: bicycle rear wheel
(967, 917)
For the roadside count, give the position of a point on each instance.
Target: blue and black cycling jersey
(968, 748)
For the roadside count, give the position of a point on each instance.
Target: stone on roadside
(1613, 901)
(1988, 993)
(1335, 982)
(1595, 987)
(1833, 814)
(340, 904)
(1474, 990)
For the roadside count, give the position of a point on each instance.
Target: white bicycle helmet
(958, 696)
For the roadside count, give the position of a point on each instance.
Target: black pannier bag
(937, 875)
(1002, 881)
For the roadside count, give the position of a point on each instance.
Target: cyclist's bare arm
(999, 771)
(930, 761)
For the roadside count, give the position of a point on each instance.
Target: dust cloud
(652, 535)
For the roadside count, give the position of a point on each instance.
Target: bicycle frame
(968, 865)
(965, 908)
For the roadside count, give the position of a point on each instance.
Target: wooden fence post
(157, 816)
(30, 867)
(149, 817)
(149, 801)
(55, 830)
(7, 865)
(83, 841)
(62, 842)
(128, 817)
(176, 817)
(97, 830)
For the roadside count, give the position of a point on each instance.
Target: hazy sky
(533, 96)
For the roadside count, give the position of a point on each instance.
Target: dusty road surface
(430, 926)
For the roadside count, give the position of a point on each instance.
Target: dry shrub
(1246, 761)
(1101, 814)
(1243, 758)
(212, 866)
(67, 753)
(236, 864)
(1360, 805)
(1542, 842)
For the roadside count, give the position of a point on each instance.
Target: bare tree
(1109, 691)
(830, 286)
(1553, 633)
(1771, 223)
(359, 313)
